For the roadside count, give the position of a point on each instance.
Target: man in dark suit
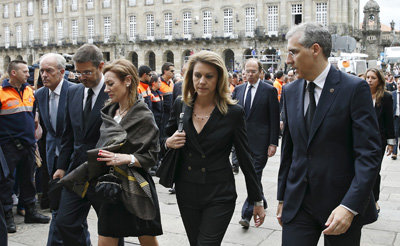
(51, 101)
(81, 133)
(396, 117)
(262, 122)
(330, 148)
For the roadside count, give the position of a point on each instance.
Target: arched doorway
(247, 54)
(168, 57)
(19, 57)
(229, 58)
(30, 60)
(151, 60)
(134, 59)
(7, 60)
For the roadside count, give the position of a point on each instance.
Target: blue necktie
(53, 110)
(312, 106)
(247, 103)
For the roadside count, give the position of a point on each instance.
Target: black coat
(205, 156)
(384, 114)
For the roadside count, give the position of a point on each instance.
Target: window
(5, 11)
(149, 2)
(7, 36)
(59, 6)
(228, 22)
(106, 3)
(207, 23)
(31, 32)
(132, 3)
(90, 4)
(74, 29)
(132, 27)
(272, 25)
(30, 8)
(167, 1)
(168, 24)
(322, 12)
(60, 30)
(107, 29)
(250, 21)
(18, 30)
(45, 33)
(45, 6)
(150, 26)
(187, 23)
(90, 27)
(74, 5)
(297, 10)
(18, 10)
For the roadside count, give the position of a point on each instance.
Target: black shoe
(394, 157)
(244, 223)
(235, 169)
(32, 215)
(11, 228)
(172, 191)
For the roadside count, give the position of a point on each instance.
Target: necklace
(123, 112)
(201, 117)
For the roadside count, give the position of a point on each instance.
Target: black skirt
(115, 221)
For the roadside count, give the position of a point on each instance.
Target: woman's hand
(176, 141)
(113, 159)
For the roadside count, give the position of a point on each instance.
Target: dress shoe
(394, 157)
(11, 228)
(172, 191)
(21, 212)
(245, 223)
(32, 215)
(378, 209)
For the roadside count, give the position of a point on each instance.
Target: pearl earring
(128, 85)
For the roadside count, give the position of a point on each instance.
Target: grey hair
(312, 33)
(88, 53)
(61, 62)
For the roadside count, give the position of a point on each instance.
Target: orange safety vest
(278, 85)
(231, 88)
(144, 90)
(166, 88)
(12, 102)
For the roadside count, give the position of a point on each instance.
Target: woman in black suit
(383, 103)
(212, 123)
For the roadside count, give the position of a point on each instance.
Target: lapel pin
(331, 90)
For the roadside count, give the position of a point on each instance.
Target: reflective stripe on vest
(11, 101)
(165, 88)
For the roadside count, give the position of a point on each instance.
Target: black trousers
(305, 230)
(206, 210)
(376, 189)
(24, 160)
(3, 227)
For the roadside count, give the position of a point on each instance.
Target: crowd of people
(109, 131)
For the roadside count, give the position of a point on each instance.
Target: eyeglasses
(86, 73)
(292, 54)
(172, 71)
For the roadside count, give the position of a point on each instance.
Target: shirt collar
(320, 80)
(254, 85)
(57, 90)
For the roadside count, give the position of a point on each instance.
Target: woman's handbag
(167, 169)
(108, 187)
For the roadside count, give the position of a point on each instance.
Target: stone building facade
(155, 31)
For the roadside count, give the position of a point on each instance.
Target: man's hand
(259, 215)
(279, 213)
(338, 222)
(59, 174)
(271, 150)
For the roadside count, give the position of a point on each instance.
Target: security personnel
(156, 98)
(143, 88)
(166, 88)
(17, 140)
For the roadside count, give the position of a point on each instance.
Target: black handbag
(167, 169)
(108, 187)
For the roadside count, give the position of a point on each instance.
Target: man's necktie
(53, 110)
(311, 106)
(88, 107)
(247, 103)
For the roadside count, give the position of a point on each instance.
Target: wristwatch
(259, 203)
(132, 163)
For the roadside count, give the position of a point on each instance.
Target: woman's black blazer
(205, 156)
(384, 114)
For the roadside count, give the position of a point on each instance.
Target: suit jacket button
(305, 180)
(189, 168)
(190, 154)
(203, 156)
(203, 170)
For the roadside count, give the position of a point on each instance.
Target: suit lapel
(99, 104)
(329, 92)
(300, 108)
(189, 128)
(61, 108)
(257, 97)
(211, 123)
(80, 95)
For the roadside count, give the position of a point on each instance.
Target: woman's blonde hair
(381, 87)
(222, 94)
(123, 68)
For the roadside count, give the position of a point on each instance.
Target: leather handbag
(108, 187)
(167, 169)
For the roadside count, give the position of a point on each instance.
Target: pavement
(384, 232)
